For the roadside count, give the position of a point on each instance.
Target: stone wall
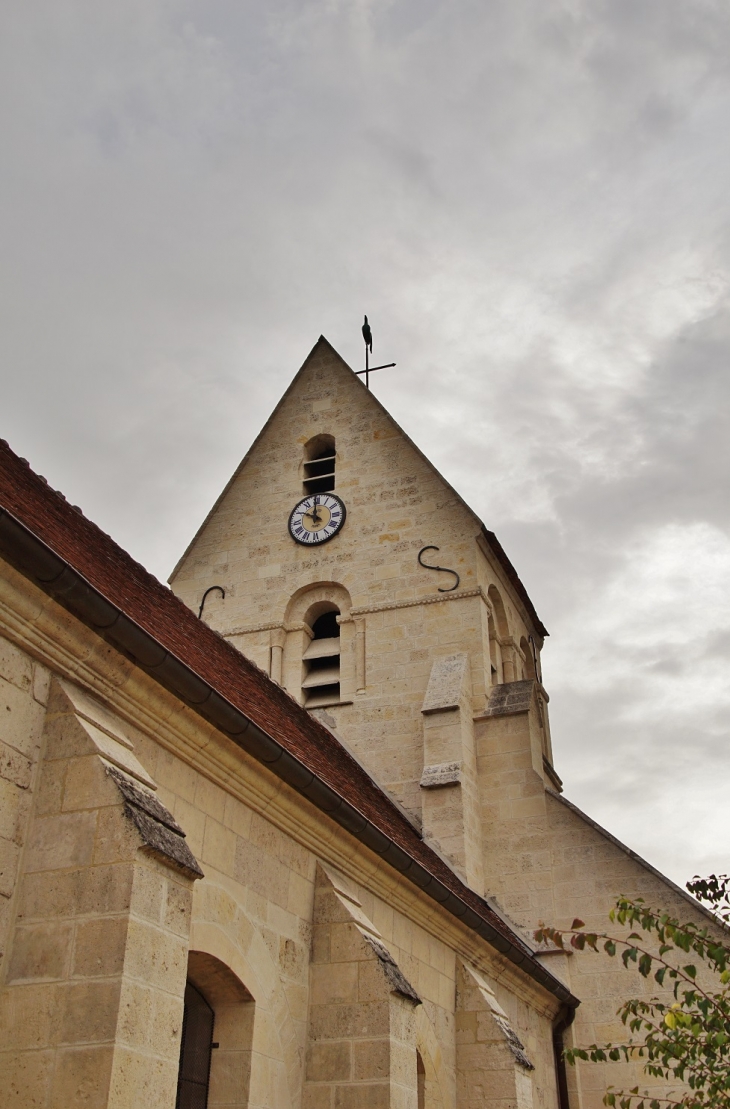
(396, 619)
(132, 797)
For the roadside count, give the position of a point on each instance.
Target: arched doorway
(217, 1037)
(196, 1049)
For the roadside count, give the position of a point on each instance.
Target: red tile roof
(127, 586)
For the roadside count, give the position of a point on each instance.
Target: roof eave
(53, 574)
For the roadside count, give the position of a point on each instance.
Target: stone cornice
(429, 599)
(365, 610)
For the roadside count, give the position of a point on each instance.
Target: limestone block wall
(395, 502)
(494, 1069)
(449, 784)
(23, 692)
(517, 850)
(396, 505)
(590, 870)
(361, 1049)
(103, 931)
(91, 1005)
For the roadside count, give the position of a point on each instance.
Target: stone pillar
(360, 670)
(361, 1051)
(493, 1070)
(509, 654)
(298, 638)
(450, 806)
(348, 657)
(278, 638)
(512, 776)
(91, 1008)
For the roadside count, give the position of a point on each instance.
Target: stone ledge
(442, 774)
(159, 830)
(510, 698)
(395, 976)
(552, 774)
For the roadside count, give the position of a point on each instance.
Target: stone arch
(438, 1093)
(500, 615)
(222, 931)
(507, 646)
(316, 597)
(234, 1011)
(495, 651)
(319, 459)
(317, 444)
(305, 607)
(529, 660)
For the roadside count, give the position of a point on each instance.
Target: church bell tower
(361, 582)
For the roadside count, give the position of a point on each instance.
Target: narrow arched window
(421, 1081)
(195, 1051)
(495, 657)
(526, 650)
(321, 680)
(319, 464)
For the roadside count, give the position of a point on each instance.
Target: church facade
(280, 835)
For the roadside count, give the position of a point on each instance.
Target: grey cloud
(530, 202)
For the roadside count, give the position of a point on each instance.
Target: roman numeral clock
(316, 519)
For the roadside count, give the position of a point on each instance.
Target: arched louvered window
(321, 681)
(195, 1051)
(319, 465)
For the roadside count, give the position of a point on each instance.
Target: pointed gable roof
(324, 346)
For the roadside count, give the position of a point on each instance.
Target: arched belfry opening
(319, 464)
(321, 660)
(526, 650)
(320, 646)
(501, 646)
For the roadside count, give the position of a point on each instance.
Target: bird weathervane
(368, 337)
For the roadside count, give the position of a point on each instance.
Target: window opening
(528, 669)
(321, 682)
(319, 469)
(493, 650)
(421, 1081)
(195, 1051)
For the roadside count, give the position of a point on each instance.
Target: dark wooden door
(195, 1050)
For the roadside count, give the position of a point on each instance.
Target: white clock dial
(316, 519)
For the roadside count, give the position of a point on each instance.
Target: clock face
(316, 519)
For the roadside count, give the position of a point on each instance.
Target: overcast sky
(530, 200)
